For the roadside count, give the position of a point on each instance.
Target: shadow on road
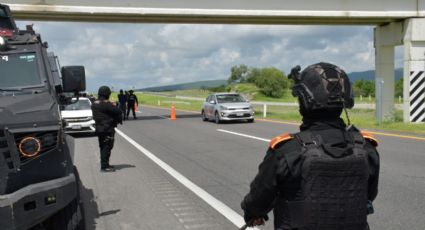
(111, 212)
(90, 210)
(161, 117)
(196, 115)
(123, 166)
(144, 118)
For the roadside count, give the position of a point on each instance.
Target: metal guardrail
(265, 104)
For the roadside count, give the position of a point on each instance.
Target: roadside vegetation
(272, 85)
(362, 118)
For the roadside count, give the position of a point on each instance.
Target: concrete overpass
(397, 23)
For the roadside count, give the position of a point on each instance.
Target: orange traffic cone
(173, 113)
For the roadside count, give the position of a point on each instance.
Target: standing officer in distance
(131, 103)
(107, 116)
(326, 176)
(122, 99)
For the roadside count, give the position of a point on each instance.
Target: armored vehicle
(39, 185)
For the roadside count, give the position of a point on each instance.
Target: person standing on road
(122, 99)
(107, 116)
(131, 103)
(324, 177)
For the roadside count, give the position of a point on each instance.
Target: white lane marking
(244, 135)
(222, 208)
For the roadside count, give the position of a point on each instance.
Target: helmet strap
(346, 114)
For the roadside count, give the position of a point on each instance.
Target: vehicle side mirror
(73, 79)
(212, 102)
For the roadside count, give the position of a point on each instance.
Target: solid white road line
(222, 208)
(244, 135)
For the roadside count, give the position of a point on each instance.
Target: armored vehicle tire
(69, 218)
(72, 216)
(217, 118)
(204, 117)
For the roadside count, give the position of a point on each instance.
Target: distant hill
(183, 86)
(370, 75)
(354, 76)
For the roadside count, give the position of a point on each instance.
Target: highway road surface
(190, 174)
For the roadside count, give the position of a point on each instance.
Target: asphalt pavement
(190, 174)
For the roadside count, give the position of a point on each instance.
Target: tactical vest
(131, 99)
(333, 187)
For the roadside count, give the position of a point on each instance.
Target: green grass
(188, 93)
(364, 118)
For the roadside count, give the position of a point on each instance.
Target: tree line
(366, 88)
(274, 83)
(270, 80)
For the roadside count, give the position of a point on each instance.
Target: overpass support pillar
(386, 38)
(414, 67)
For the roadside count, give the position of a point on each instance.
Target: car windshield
(79, 105)
(19, 71)
(230, 98)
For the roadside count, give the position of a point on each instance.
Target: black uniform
(279, 180)
(122, 98)
(106, 116)
(324, 177)
(131, 103)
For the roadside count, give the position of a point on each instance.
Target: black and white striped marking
(417, 96)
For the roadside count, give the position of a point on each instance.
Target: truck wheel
(72, 216)
(69, 218)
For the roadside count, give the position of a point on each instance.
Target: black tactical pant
(123, 108)
(130, 106)
(106, 143)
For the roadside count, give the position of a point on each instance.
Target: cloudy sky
(144, 55)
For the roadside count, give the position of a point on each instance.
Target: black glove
(249, 218)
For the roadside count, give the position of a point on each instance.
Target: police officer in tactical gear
(324, 177)
(122, 99)
(106, 116)
(131, 103)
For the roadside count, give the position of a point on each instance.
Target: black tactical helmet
(104, 92)
(322, 86)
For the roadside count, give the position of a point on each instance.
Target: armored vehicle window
(19, 70)
(2, 12)
(4, 20)
(79, 105)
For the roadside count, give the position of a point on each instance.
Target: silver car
(227, 107)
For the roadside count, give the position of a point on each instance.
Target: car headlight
(29, 146)
(223, 107)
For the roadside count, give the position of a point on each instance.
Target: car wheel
(217, 118)
(204, 117)
(251, 120)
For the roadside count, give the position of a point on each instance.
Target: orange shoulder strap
(279, 139)
(368, 136)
